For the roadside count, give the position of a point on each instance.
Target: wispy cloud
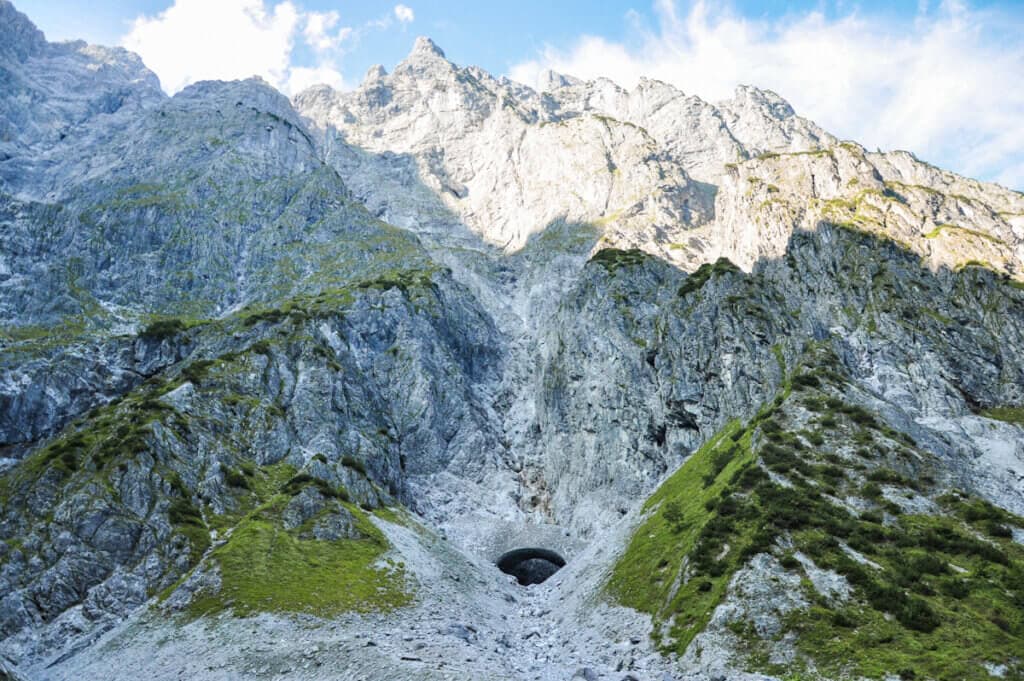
(322, 33)
(196, 40)
(404, 14)
(947, 84)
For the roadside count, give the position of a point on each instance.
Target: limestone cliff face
(239, 331)
(655, 169)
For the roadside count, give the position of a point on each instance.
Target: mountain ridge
(258, 354)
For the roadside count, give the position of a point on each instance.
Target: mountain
(283, 384)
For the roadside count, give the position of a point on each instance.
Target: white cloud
(318, 30)
(404, 14)
(948, 85)
(302, 77)
(231, 39)
(227, 39)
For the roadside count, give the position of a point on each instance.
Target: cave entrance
(530, 566)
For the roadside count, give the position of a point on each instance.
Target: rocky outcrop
(57, 96)
(361, 393)
(242, 334)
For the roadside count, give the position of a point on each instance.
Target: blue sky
(493, 35)
(943, 78)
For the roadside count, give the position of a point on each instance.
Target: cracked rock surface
(407, 328)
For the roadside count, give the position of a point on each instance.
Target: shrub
(956, 588)
(673, 513)
(860, 416)
(863, 438)
(719, 461)
(236, 478)
(176, 484)
(949, 540)
(887, 475)
(183, 512)
(761, 542)
(728, 506)
(871, 490)
(612, 258)
(697, 280)
(782, 458)
(831, 472)
(162, 329)
(748, 477)
(717, 569)
(979, 509)
(802, 381)
(843, 619)
(925, 564)
(815, 404)
(261, 347)
(871, 517)
(354, 463)
(265, 316)
(304, 480)
(789, 561)
(196, 371)
(998, 530)
(815, 438)
(916, 614)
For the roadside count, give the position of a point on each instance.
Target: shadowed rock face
(226, 317)
(530, 566)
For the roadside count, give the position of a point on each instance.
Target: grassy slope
(266, 568)
(262, 565)
(648, 576)
(946, 597)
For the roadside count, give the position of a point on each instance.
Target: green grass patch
(263, 484)
(611, 259)
(265, 568)
(957, 229)
(916, 612)
(696, 281)
(1008, 414)
(165, 328)
(940, 597)
(647, 577)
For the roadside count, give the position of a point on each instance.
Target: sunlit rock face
(329, 363)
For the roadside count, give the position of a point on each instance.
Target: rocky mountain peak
(356, 351)
(374, 74)
(748, 96)
(425, 63)
(550, 81)
(19, 37)
(425, 48)
(254, 92)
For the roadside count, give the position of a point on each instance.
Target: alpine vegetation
(445, 377)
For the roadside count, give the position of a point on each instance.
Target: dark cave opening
(530, 565)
